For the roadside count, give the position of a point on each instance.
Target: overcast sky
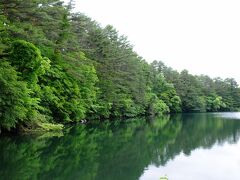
(202, 36)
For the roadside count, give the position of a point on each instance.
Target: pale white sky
(202, 36)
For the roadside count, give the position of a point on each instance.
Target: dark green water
(190, 146)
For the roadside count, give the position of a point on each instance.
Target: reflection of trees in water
(117, 150)
(204, 130)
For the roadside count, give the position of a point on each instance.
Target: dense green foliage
(58, 66)
(201, 93)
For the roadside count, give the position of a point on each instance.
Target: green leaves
(15, 100)
(28, 60)
(61, 96)
(59, 66)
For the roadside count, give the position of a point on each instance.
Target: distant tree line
(57, 66)
(201, 93)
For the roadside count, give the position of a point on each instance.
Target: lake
(185, 146)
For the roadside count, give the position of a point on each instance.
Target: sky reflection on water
(221, 162)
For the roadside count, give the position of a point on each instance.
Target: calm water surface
(188, 146)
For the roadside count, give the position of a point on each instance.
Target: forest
(58, 66)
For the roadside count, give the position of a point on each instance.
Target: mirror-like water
(187, 146)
